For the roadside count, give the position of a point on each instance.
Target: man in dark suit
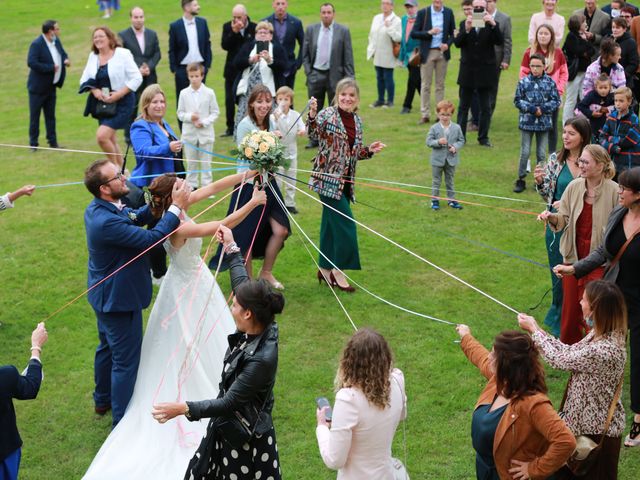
(609, 10)
(235, 34)
(327, 57)
(287, 31)
(114, 238)
(145, 48)
(478, 68)
(47, 61)
(434, 28)
(189, 42)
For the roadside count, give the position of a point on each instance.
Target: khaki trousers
(438, 64)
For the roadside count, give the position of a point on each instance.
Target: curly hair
(160, 189)
(517, 362)
(366, 364)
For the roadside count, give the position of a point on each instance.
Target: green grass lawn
(43, 254)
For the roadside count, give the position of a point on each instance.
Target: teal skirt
(338, 236)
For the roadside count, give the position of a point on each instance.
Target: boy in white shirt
(288, 120)
(197, 110)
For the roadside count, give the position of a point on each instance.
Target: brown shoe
(424, 120)
(102, 410)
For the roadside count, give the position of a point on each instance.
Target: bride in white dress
(182, 351)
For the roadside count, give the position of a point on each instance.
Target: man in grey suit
(327, 57)
(503, 52)
(145, 48)
(598, 24)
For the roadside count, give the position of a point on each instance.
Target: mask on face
(615, 13)
(589, 321)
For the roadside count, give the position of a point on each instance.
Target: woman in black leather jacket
(240, 441)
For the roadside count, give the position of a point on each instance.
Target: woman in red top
(544, 43)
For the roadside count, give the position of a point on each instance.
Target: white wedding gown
(181, 359)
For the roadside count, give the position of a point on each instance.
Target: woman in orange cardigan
(515, 431)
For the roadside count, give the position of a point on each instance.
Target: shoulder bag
(616, 259)
(415, 59)
(587, 451)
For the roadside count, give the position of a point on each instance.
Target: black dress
(124, 106)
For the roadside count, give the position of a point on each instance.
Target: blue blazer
(423, 25)
(113, 238)
(179, 44)
(42, 68)
(148, 139)
(14, 385)
(295, 33)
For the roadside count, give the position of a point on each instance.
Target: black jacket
(422, 25)
(14, 385)
(248, 375)
(232, 42)
(628, 57)
(478, 68)
(577, 47)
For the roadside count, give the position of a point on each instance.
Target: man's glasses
(119, 176)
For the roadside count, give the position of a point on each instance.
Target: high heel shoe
(633, 439)
(322, 278)
(334, 283)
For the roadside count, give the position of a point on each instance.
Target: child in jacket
(597, 105)
(536, 98)
(621, 132)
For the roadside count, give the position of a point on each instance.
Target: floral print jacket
(336, 161)
(547, 188)
(597, 365)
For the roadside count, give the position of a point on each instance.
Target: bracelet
(36, 348)
(232, 248)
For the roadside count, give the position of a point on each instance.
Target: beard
(120, 194)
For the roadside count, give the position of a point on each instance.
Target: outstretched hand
(180, 194)
(527, 322)
(463, 330)
(224, 235)
(163, 412)
(259, 196)
(376, 147)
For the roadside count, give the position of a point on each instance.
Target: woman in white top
(111, 76)
(386, 29)
(369, 405)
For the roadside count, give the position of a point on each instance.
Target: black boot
(520, 186)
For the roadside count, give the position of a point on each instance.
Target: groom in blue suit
(114, 237)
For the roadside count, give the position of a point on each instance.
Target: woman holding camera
(515, 431)
(370, 403)
(240, 441)
(596, 364)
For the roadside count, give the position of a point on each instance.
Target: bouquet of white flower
(262, 150)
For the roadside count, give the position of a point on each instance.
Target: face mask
(589, 321)
(53, 38)
(615, 13)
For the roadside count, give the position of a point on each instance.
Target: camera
(477, 19)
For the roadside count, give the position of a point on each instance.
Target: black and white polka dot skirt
(257, 459)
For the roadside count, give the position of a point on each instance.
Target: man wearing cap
(407, 45)
(434, 28)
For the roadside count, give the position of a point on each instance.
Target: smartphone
(262, 45)
(324, 402)
(477, 19)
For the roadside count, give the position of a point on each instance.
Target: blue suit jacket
(179, 44)
(423, 25)
(295, 33)
(148, 139)
(14, 385)
(113, 238)
(42, 68)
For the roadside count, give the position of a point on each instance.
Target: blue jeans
(117, 359)
(10, 465)
(525, 149)
(384, 76)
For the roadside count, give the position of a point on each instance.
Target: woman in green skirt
(338, 131)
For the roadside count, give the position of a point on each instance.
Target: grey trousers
(436, 174)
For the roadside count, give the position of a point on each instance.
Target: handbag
(103, 110)
(396, 49)
(414, 58)
(587, 451)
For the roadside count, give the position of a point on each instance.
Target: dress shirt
(140, 37)
(57, 59)
(193, 55)
(437, 20)
(324, 31)
(280, 27)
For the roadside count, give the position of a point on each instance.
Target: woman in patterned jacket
(596, 364)
(338, 130)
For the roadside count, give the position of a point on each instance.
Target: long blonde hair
(147, 96)
(550, 55)
(601, 157)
